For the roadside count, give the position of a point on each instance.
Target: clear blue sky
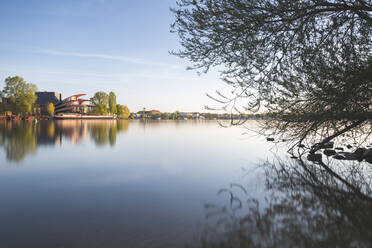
(84, 46)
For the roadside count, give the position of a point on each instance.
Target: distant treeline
(156, 115)
(104, 104)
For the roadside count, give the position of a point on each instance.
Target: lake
(111, 183)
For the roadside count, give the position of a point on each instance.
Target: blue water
(117, 183)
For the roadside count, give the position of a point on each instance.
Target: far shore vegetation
(18, 98)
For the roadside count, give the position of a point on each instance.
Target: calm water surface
(117, 183)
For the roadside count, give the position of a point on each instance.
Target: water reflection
(19, 138)
(322, 204)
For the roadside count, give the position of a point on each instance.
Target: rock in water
(326, 145)
(359, 153)
(314, 157)
(329, 152)
(338, 156)
(368, 154)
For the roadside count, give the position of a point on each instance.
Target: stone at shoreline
(339, 148)
(363, 153)
(346, 156)
(329, 152)
(338, 156)
(359, 153)
(314, 157)
(368, 153)
(349, 146)
(326, 145)
(270, 139)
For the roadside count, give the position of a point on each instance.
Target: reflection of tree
(123, 125)
(100, 134)
(18, 139)
(308, 205)
(103, 132)
(21, 138)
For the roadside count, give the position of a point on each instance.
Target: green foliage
(112, 103)
(120, 109)
(123, 111)
(50, 109)
(175, 115)
(99, 109)
(126, 113)
(21, 95)
(100, 100)
(165, 116)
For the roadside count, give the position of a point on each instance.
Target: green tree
(112, 103)
(100, 102)
(175, 115)
(21, 95)
(99, 109)
(126, 112)
(119, 109)
(308, 62)
(123, 111)
(100, 97)
(50, 109)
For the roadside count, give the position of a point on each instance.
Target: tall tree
(308, 63)
(112, 103)
(100, 102)
(126, 112)
(123, 111)
(120, 109)
(100, 97)
(20, 95)
(50, 109)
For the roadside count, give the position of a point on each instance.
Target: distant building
(7, 104)
(74, 104)
(43, 98)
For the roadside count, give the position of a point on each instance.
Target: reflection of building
(19, 138)
(43, 98)
(73, 104)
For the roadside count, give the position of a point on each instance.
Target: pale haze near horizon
(85, 46)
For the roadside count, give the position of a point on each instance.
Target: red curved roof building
(73, 104)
